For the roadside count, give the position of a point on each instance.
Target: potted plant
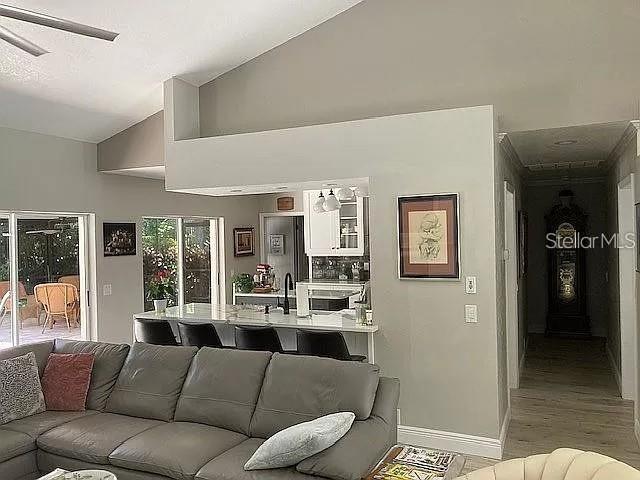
(243, 282)
(160, 289)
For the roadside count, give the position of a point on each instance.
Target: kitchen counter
(230, 315)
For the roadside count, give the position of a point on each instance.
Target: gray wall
(447, 367)
(141, 145)
(592, 198)
(385, 57)
(43, 173)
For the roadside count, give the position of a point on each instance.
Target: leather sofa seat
(176, 450)
(93, 438)
(13, 444)
(36, 425)
(230, 466)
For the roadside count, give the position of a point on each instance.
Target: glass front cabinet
(337, 233)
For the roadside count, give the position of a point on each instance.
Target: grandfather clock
(567, 314)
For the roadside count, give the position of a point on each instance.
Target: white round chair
(561, 464)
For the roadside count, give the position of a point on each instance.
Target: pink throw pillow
(66, 379)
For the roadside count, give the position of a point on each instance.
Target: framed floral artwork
(428, 237)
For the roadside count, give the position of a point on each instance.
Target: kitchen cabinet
(337, 233)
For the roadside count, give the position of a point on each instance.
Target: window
(186, 251)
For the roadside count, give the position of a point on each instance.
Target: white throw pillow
(20, 390)
(292, 445)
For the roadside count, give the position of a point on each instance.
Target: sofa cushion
(36, 425)
(41, 351)
(65, 381)
(93, 438)
(13, 444)
(222, 388)
(22, 467)
(20, 393)
(230, 466)
(108, 361)
(150, 381)
(297, 389)
(177, 450)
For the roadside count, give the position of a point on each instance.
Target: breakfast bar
(360, 338)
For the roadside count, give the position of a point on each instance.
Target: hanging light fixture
(318, 207)
(331, 203)
(345, 194)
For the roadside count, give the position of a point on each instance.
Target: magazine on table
(404, 462)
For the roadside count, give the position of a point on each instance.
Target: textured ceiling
(593, 143)
(90, 89)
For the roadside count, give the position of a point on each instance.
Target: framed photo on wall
(119, 239)
(243, 241)
(428, 237)
(276, 244)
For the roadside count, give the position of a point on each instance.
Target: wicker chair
(59, 300)
(561, 464)
(29, 307)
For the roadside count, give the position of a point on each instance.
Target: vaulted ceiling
(89, 89)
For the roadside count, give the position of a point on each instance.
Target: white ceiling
(89, 89)
(593, 143)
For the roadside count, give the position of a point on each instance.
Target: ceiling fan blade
(57, 23)
(21, 42)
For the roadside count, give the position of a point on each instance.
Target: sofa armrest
(364, 445)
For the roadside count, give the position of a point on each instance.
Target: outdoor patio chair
(59, 300)
(28, 308)
(75, 281)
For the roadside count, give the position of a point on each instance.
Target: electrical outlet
(471, 313)
(106, 289)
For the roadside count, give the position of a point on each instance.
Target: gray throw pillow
(20, 390)
(292, 445)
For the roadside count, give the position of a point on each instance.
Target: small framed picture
(428, 237)
(243, 241)
(119, 239)
(276, 244)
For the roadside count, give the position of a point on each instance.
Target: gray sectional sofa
(157, 412)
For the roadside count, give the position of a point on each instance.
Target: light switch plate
(471, 313)
(470, 285)
(106, 289)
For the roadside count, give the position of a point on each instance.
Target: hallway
(568, 397)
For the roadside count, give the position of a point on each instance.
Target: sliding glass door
(185, 250)
(43, 288)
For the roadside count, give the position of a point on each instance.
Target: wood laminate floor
(568, 397)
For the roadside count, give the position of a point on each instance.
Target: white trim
(614, 367)
(505, 427)
(451, 441)
(511, 310)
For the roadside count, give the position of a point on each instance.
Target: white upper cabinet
(337, 233)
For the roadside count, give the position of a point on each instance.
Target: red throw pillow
(66, 379)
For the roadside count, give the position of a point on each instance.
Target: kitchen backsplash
(340, 268)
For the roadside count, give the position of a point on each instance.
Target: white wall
(447, 368)
(44, 173)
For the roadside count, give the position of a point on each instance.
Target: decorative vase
(160, 305)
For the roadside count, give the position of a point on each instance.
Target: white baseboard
(614, 367)
(451, 441)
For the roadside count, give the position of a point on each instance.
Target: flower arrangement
(160, 285)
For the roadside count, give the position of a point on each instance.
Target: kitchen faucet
(287, 285)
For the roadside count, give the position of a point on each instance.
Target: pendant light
(318, 207)
(345, 194)
(331, 203)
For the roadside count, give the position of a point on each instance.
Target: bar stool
(199, 335)
(325, 344)
(155, 332)
(264, 339)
